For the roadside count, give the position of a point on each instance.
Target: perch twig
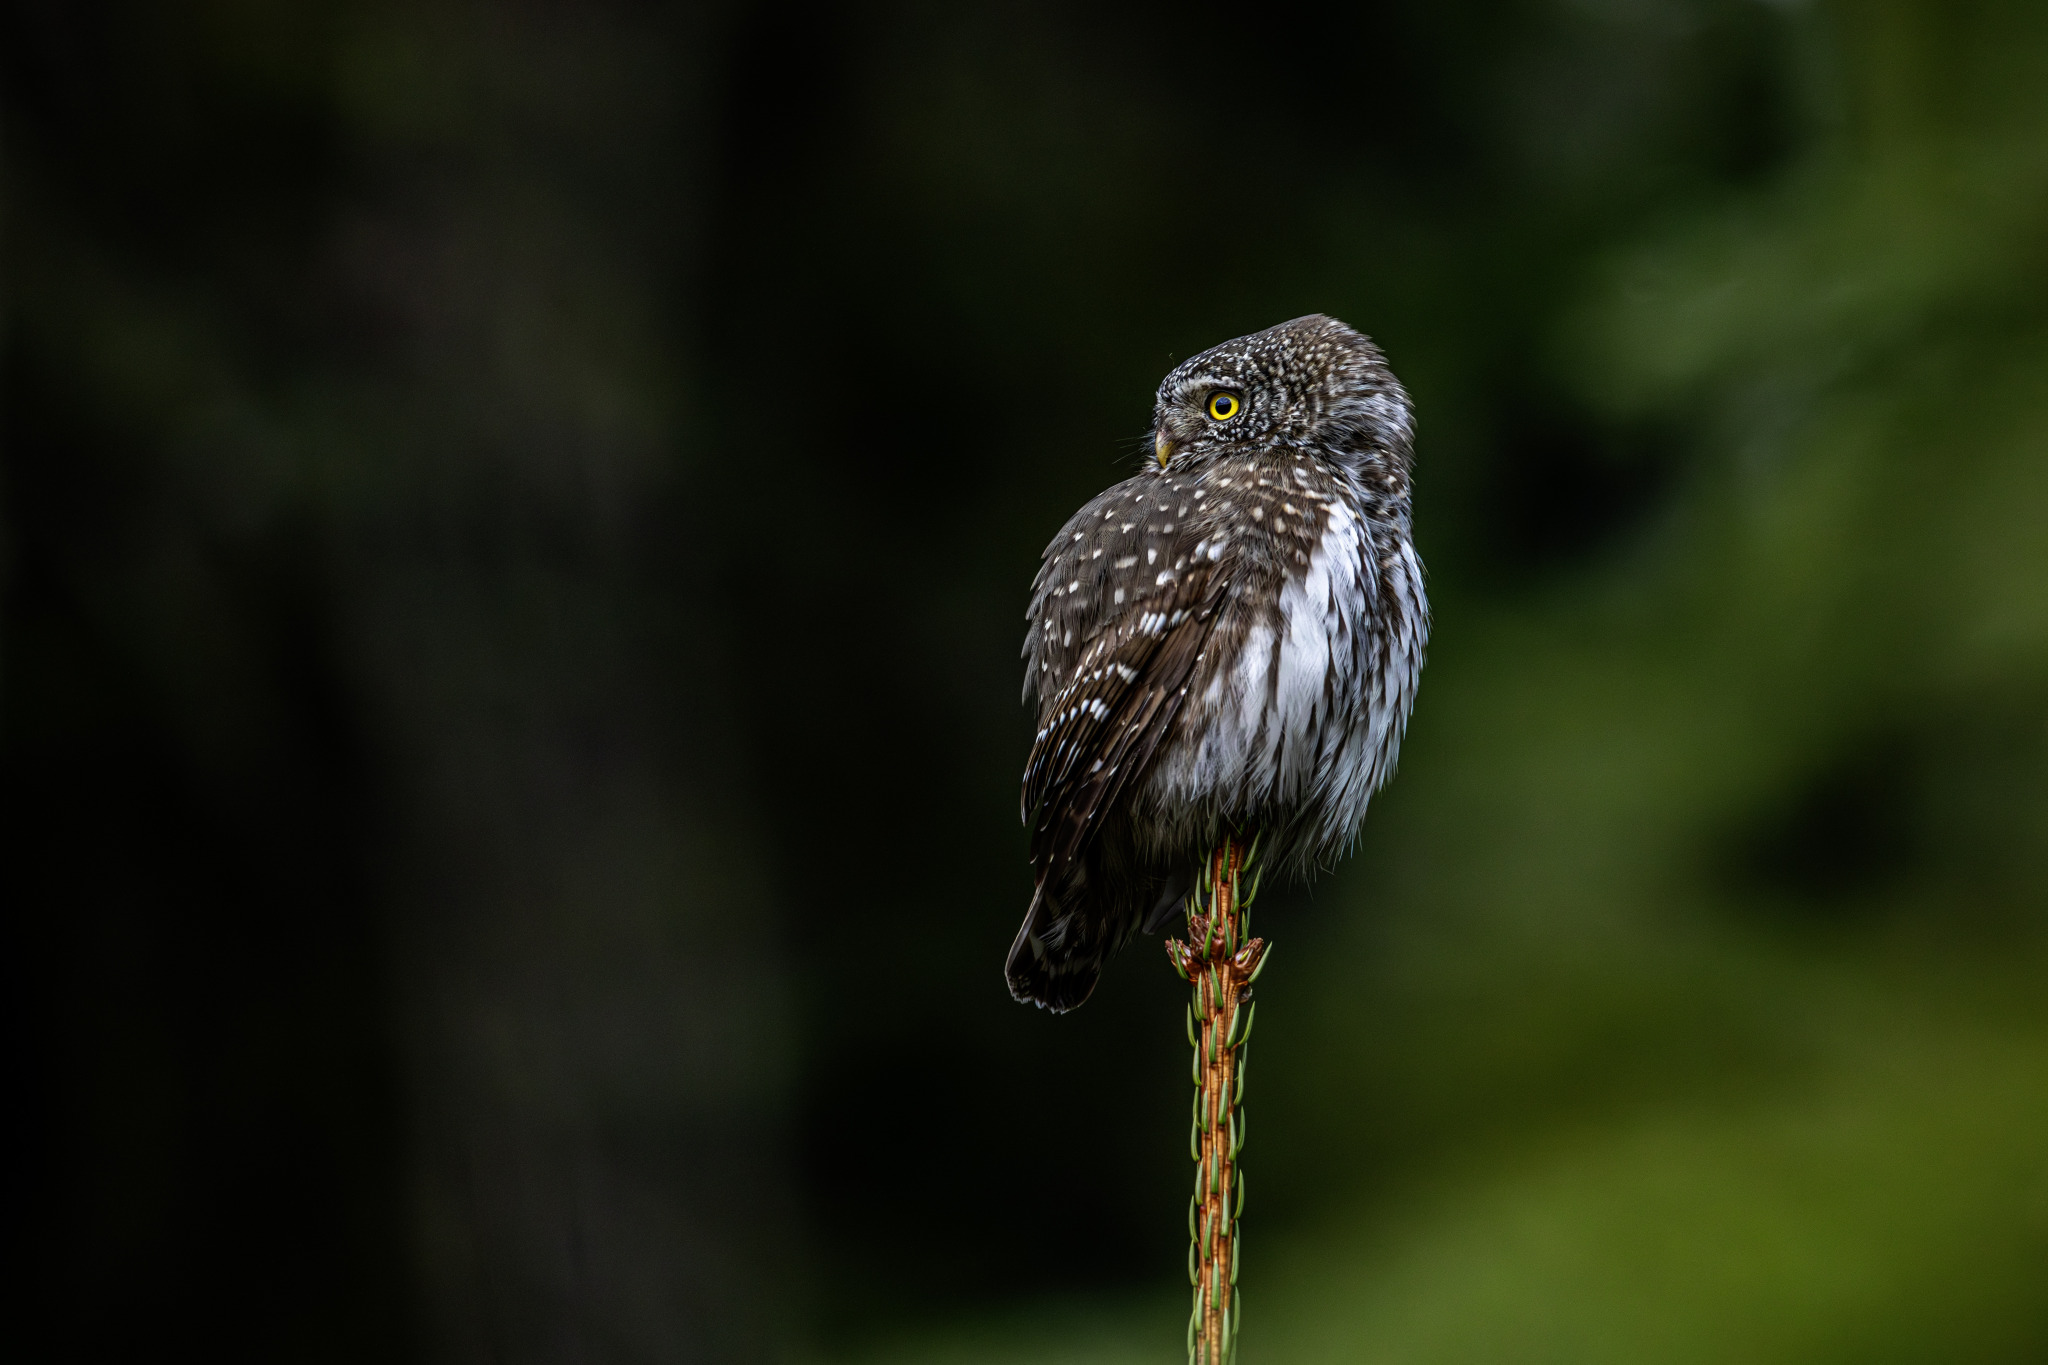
(1220, 960)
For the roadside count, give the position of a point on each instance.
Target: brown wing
(1103, 724)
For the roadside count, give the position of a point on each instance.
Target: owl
(1228, 642)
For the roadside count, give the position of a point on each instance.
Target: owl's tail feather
(1044, 969)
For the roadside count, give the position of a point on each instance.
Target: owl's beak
(1162, 448)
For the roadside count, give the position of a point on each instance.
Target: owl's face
(1311, 385)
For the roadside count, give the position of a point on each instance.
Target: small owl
(1227, 643)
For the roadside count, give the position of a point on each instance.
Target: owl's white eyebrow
(1195, 384)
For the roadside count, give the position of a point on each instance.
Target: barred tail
(1046, 967)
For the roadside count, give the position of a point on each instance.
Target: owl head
(1310, 386)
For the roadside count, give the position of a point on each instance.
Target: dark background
(516, 524)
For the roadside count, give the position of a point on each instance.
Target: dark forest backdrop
(516, 521)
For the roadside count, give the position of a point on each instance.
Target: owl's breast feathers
(1238, 646)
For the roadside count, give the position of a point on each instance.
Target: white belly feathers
(1309, 718)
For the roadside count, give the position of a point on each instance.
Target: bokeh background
(516, 523)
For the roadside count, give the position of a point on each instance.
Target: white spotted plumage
(1249, 664)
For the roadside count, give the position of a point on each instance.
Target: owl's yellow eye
(1224, 405)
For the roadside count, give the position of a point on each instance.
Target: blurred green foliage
(1690, 1009)
(516, 520)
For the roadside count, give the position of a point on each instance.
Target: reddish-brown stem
(1219, 959)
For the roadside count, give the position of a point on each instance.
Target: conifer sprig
(1220, 960)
